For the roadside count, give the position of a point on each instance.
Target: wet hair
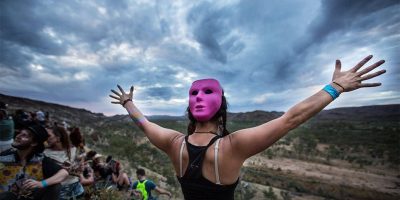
(76, 137)
(219, 117)
(63, 135)
(140, 172)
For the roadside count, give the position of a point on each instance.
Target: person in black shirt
(25, 172)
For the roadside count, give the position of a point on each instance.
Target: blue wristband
(331, 91)
(44, 183)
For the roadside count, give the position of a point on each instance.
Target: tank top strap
(215, 138)
(216, 148)
(180, 156)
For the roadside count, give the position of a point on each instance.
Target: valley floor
(373, 180)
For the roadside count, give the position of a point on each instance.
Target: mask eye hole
(208, 91)
(195, 92)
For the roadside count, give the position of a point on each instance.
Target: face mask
(205, 98)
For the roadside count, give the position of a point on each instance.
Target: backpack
(141, 186)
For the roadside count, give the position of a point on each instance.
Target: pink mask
(205, 98)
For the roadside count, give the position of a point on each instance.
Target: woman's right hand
(123, 97)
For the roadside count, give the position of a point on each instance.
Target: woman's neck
(206, 127)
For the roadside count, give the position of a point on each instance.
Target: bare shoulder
(226, 145)
(176, 142)
(177, 139)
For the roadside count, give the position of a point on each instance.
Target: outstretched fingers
(115, 92)
(338, 66)
(360, 64)
(375, 74)
(120, 89)
(131, 90)
(114, 97)
(370, 84)
(370, 68)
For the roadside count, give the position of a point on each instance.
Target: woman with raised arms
(207, 160)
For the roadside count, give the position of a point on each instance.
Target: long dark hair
(63, 135)
(221, 114)
(76, 137)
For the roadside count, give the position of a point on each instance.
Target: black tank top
(194, 185)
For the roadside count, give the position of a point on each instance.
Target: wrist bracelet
(44, 183)
(338, 85)
(123, 104)
(331, 91)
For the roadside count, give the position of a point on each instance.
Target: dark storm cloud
(210, 25)
(21, 24)
(76, 51)
(338, 16)
(12, 56)
(163, 93)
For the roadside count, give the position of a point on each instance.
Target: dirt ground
(386, 181)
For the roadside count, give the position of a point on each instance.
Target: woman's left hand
(352, 79)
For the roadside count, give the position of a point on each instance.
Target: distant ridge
(380, 112)
(79, 116)
(58, 112)
(257, 115)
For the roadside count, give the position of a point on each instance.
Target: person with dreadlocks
(208, 159)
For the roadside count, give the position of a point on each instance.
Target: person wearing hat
(100, 168)
(25, 172)
(6, 128)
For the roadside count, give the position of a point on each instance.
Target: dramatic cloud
(268, 55)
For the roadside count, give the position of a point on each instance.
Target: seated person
(25, 172)
(119, 177)
(86, 177)
(102, 172)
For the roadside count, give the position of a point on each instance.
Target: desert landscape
(343, 153)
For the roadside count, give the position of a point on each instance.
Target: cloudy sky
(268, 55)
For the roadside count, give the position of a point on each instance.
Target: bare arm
(248, 142)
(55, 179)
(137, 193)
(163, 191)
(161, 137)
(86, 181)
(114, 177)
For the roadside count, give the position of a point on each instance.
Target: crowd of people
(42, 159)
